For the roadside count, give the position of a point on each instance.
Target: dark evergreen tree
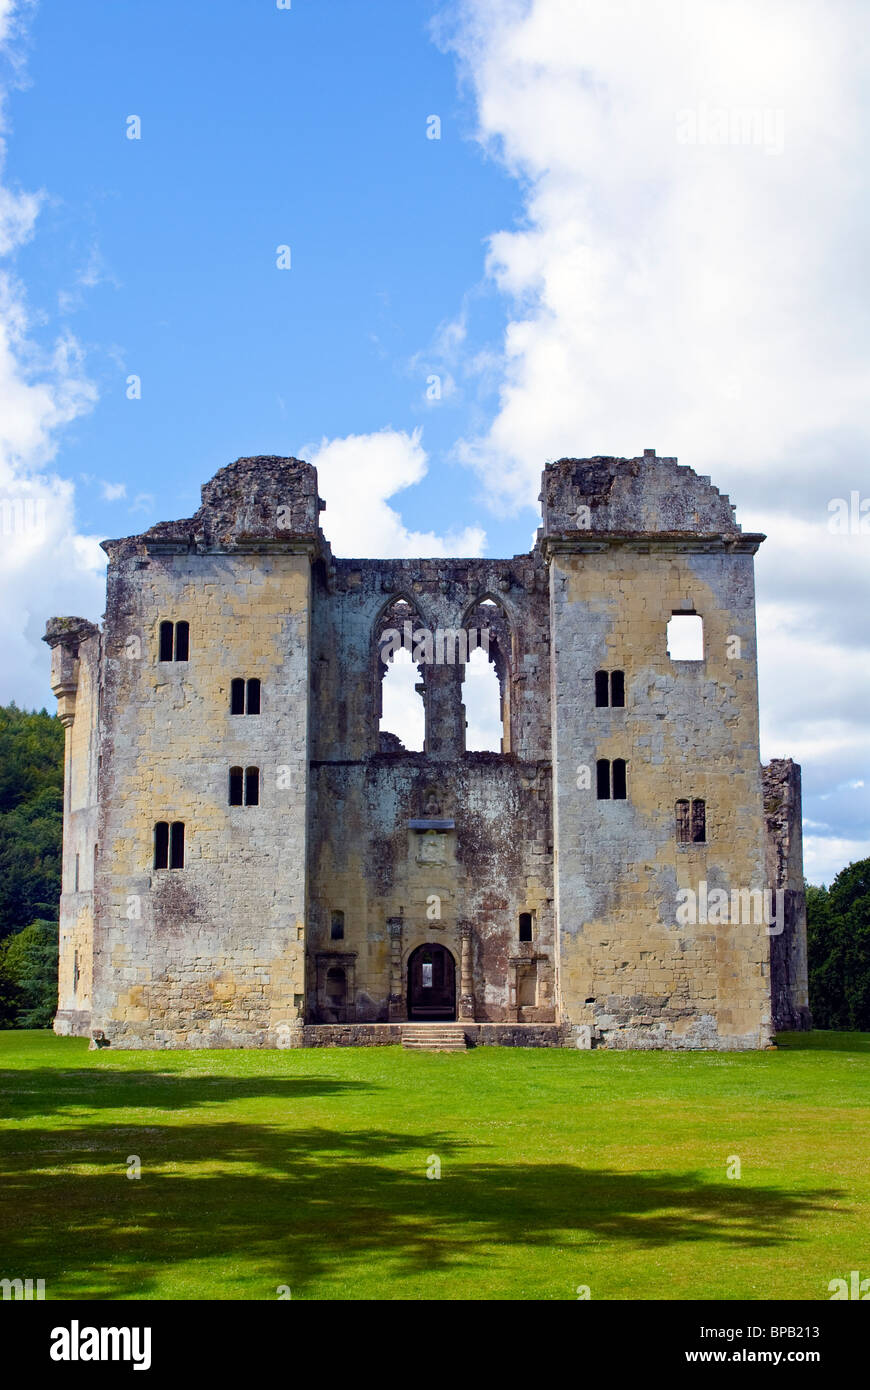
(838, 946)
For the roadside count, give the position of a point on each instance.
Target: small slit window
(161, 845)
(337, 928)
(609, 689)
(602, 779)
(174, 641)
(169, 845)
(252, 786)
(691, 821)
(611, 779)
(619, 780)
(525, 926)
(245, 696)
(176, 845)
(686, 637)
(237, 786)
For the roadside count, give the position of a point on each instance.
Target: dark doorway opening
(431, 984)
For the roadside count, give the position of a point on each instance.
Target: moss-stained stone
(442, 849)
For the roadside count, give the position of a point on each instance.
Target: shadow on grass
(270, 1206)
(49, 1090)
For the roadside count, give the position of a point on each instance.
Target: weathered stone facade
(542, 888)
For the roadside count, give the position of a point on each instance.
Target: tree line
(31, 827)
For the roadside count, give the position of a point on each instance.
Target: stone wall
(784, 849)
(495, 859)
(406, 849)
(688, 730)
(475, 1034)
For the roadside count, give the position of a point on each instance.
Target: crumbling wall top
(644, 496)
(68, 632)
(254, 501)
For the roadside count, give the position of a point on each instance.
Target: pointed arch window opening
(486, 680)
(400, 696)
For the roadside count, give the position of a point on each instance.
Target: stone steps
(433, 1037)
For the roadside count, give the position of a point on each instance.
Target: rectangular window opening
(686, 637)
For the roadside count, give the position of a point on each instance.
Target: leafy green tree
(28, 976)
(838, 949)
(10, 994)
(31, 817)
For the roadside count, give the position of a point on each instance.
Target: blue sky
(642, 226)
(260, 127)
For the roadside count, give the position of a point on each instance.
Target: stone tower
(250, 860)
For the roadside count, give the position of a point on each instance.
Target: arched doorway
(431, 984)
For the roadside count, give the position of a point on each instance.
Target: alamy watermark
(443, 646)
(761, 126)
(742, 906)
(25, 1290)
(21, 516)
(849, 516)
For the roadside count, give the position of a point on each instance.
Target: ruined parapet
(781, 780)
(632, 497)
(260, 503)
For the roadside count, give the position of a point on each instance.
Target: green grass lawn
(558, 1169)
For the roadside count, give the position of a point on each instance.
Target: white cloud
(357, 476)
(825, 857)
(704, 298)
(46, 567)
(113, 491)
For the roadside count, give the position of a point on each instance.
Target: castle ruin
(250, 861)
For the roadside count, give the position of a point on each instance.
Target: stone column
(397, 1008)
(445, 712)
(513, 1012)
(466, 975)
